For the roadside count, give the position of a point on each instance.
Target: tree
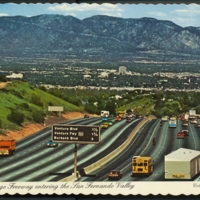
(36, 100)
(16, 116)
(38, 116)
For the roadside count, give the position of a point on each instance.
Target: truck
(172, 122)
(7, 147)
(182, 164)
(105, 113)
(142, 165)
(192, 114)
(186, 117)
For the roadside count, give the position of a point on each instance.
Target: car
(104, 119)
(104, 125)
(86, 116)
(186, 132)
(197, 125)
(138, 116)
(185, 123)
(193, 121)
(118, 118)
(115, 174)
(180, 135)
(51, 143)
(128, 119)
(110, 122)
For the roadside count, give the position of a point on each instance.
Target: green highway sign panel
(76, 134)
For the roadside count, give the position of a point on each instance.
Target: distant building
(103, 75)
(122, 70)
(86, 76)
(15, 76)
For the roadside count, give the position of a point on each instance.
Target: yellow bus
(142, 165)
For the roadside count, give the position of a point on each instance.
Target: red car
(180, 135)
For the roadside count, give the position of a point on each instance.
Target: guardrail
(108, 157)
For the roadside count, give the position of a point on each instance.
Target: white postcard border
(104, 188)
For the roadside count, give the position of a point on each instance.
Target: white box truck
(192, 114)
(182, 164)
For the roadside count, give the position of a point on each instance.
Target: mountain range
(97, 36)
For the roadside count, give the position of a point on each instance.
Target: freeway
(33, 161)
(166, 142)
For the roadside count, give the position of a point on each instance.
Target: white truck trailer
(182, 164)
(192, 114)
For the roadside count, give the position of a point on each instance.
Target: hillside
(21, 103)
(31, 128)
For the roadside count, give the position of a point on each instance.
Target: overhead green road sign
(76, 134)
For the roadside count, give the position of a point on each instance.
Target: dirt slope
(29, 129)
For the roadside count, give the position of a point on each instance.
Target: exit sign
(77, 134)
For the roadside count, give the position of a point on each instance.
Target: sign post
(76, 134)
(75, 159)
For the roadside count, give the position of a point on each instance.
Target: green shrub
(38, 116)
(16, 116)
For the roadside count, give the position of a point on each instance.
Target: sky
(181, 14)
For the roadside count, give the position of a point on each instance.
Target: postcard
(99, 99)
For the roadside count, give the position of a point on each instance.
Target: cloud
(185, 21)
(3, 14)
(76, 9)
(157, 14)
(189, 10)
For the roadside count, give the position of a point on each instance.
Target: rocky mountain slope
(100, 36)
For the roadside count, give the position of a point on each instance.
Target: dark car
(197, 125)
(115, 174)
(128, 119)
(186, 132)
(86, 116)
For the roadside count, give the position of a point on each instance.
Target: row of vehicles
(182, 134)
(140, 165)
(108, 120)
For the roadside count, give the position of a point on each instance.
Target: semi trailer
(182, 164)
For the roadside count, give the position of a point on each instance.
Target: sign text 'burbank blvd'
(79, 134)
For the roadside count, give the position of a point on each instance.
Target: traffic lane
(187, 142)
(25, 153)
(50, 164)
(194, 137)
(39, 152)
(107, 145)
(30, 142)
(157, 152)
(120, 161)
